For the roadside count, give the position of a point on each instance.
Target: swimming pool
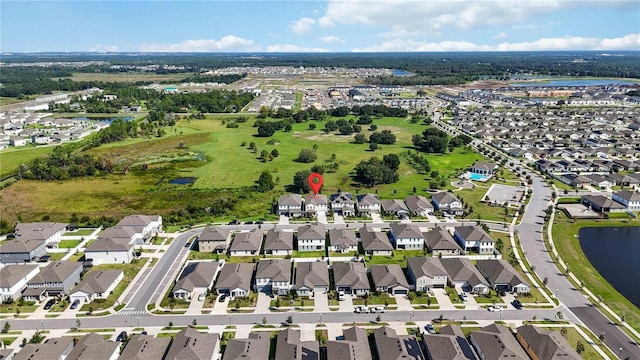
(478, 177)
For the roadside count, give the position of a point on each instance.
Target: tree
(580, 347)
(264, 155)
(289, 319)
(275, 153)
(265, 182)
(373, 146)
(307, 156)
(392, 161)
(300, 183)
(383, 137)
(432, 140)
(6, 327)
(499, 245)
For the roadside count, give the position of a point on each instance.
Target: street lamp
(556, 293)
(42, 324)
(410, 316)
(320, 318)
(620, 353)
(137, 322)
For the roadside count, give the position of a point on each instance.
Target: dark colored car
(502, 292)
(234, 222)
(75, 303)
(49, 304)
(260, 222)
(222, 298)
(144, 333)
(248, 223)
(187, 245)
(517, 304)
(122, 336)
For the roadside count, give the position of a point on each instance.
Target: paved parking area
(195, 306)
(263, 303)
(403, 303)
(307, 332)
(346, 304)
(338, 219)
(443, 299)
(220, 307)
(508, 298)
(504, 194)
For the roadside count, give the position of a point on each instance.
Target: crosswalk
(132, 312)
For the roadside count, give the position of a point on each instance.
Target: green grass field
(568, 246)
(9, 100)
(211, 152)
(13, 157)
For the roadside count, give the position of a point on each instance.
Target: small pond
(183, 180)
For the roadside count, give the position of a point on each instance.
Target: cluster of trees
(63, 164)
(418, 162)
(375, 171)
(385, 137)
(268, 128)
(432, 140)
(342, 126)
(227, 78)
(307, 156)
(117, 131)
(375, 110)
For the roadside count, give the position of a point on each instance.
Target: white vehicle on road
(495, 308)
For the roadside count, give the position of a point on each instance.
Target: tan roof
(546, 344)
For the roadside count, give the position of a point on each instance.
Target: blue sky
(312, 26)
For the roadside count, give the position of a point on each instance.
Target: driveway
(322, 217)
(403, 303)
(195, 306)
(334, 331)
(284, 220)
(338, 219)
(262, 305)
(321, 302)
(346, 304)
(376, 218)
(220, 307)
(443, 299)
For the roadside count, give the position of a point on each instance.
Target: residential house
(343, 204)
(51, 349)
(418, 205)
(342, 240)
(147, 225)
(368, 204)
(17, 141)
(602, 204)
(389, 345)
(194, 345)
(440, 242)
(542, 344)
(94, 347)
(474, 239)
(196, 278)
(235, 279)
(57, 278)
(122, 234)
(496, 342)
(483, 168)
(630, 199)
(255, 347)
(353, 346)
(502, 276)
(395, 207)
(278, 242)
(273, 276)
(599, 181)
(389, 278)
(406, 236)
(246, 243)
(446, 202)
(109, 251)
(461, 273)
(19, 251)
(311, 237)
(14, 278)
(97, 284)
(315, 203)
(214, 239)
(426, 273)
(375, 242)
(450, 344)
(289, 346)
(50, 232)
(145, 347)
(290, 205)
(351, 277)
(311, 278)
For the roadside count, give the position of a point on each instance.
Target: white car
(464, 296)
(377, 309)
(340, 295)
(495, 308)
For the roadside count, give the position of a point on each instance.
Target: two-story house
(630, 199)
(315, 203)
(50, 232)
(406, 236)
(273, 276)
(368, 204)
(351, 277)
(440, 242)
(375, 242)
(311, 237)
(278, 242)
(14, 278)
(311, 278)
(214, 239)
(290, 205)
(426, 273)
(147, 225)
(19, 251)
(447, 203)
(109, 251)
(342, 240)
(343, 204)
(474, 239)
(57, 278)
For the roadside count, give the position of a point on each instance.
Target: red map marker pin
(315, 181)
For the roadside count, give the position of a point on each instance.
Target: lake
(577, 82)
(614, 252)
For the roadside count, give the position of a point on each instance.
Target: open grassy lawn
(128, 77)
(399, 257)
(68, 244)
(565, 238)
(13, 157)
(382, 299)
(573, 336)
(10, 100)
(212, 153)
(482, 210)
(308, 254)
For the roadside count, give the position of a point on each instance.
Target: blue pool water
(477, 177)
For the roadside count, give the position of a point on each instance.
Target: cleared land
(211, 152)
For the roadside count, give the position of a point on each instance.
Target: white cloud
(330, 39)
(501, 35)
(293, 48)
(302, 25)
(628, 42)
(104, 48)
(227, 43)
(325, 22)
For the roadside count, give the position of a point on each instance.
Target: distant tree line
(226, 78)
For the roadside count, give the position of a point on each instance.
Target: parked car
(377, 309)
(49, 304)
(361, 310)
(464, 296)
(75, 303)
(222, 298)
(143, 333)
(494, 308)
(122, 336)
(517, 304)
(259, 222)
(202, 296)
(340, 295)
(429, 328)
(248, 222)
(234, 222)
(501, 292)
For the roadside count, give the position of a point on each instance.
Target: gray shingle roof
(375, 240)
(388, 275)
(235, 276)
(406, 231)
(391, 346)
(214, 233)
(426, 266)
(255, 347)
(289, 346)
(418, 203)
(53, 348)
(444, 197)
(190, 344)
(497, 342)
(499, 271)
(198, 274)
(311, 232)
(97, 281)
(57, 271)
(38, 230)
(138, 220)
(461, 269)
(106, 244)
(247, 241)
(93, 347)
(290, 200)
(394, 205)
(546, 344)
(351, 274)
(342, 237)
(274, 269)
(355, 346)
(440, 239)
(145, 347)
(278, 240)
(12, 274)
(19, 246)
(311, 275)
(473, 233)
